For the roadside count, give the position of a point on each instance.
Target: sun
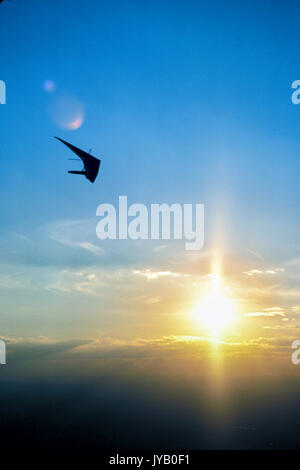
(216, 311)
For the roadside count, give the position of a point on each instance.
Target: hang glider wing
(90, 163)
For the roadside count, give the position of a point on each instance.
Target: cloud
(9, 282)
(197, 346)
(281, 327)
(22, 349)
(35, 347)
(21, 236)
(158, 274)
(268, 312)
(164, 356)
(273, 309)
(264, 314)
(75, 233)
(69, 243)
(255, 272)
(85, 282)
(295, 308)
(255, 254)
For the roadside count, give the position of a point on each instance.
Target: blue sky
(185, 102)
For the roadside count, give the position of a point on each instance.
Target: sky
(186, 102)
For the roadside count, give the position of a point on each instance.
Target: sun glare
(216, 311)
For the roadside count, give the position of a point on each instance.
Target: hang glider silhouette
(91, 164)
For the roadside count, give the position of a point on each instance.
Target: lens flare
(49, 86)
(67, 112)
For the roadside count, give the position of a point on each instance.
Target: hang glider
(91, 164)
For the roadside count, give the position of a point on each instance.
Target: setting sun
(216, 311)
